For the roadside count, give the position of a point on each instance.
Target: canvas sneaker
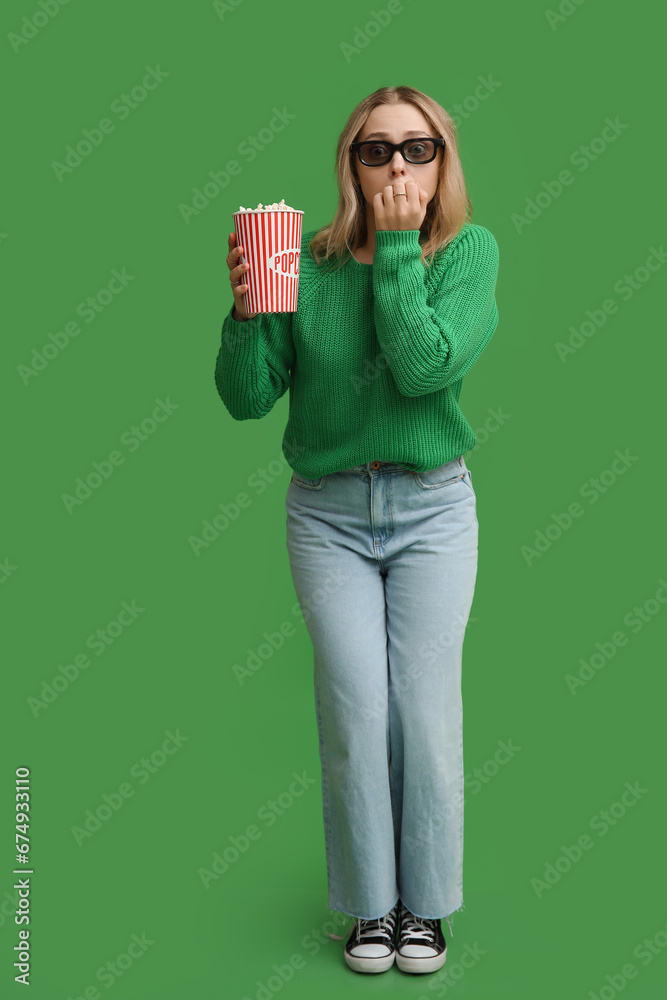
(370, 947)
(421, 944)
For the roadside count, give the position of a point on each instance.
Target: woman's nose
(398, 163)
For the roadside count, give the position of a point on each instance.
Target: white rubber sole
(360, 964)
(406, 964)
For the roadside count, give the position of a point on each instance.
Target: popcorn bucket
(272, 243)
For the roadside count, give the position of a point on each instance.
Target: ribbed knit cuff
(397, 240)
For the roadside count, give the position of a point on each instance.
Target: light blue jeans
(384, 562)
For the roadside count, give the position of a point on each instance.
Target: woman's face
(397, 122)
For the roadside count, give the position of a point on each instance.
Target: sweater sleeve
(253, 367)
(430, 347)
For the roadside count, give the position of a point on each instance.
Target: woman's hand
(236, 272)
(400, 212)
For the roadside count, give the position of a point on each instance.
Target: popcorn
(272, 234)
(276, 207)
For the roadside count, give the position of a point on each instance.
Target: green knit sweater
(374, 356)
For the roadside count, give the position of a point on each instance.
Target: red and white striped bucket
(272, 244)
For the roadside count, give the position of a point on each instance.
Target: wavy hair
(448, 210)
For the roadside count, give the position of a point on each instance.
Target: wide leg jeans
(384, 562)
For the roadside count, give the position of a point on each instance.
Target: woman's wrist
(237, 315)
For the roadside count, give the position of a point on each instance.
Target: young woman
(396, 303)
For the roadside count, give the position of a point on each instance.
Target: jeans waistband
(378, 467)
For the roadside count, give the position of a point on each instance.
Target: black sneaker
(370, 946)
(421, 943)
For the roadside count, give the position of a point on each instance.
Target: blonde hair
(447, 211)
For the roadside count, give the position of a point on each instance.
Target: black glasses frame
(358, 148)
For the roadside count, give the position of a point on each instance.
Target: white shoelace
(415, 927)
(382, 927)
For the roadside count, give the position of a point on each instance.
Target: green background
(66, 574)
